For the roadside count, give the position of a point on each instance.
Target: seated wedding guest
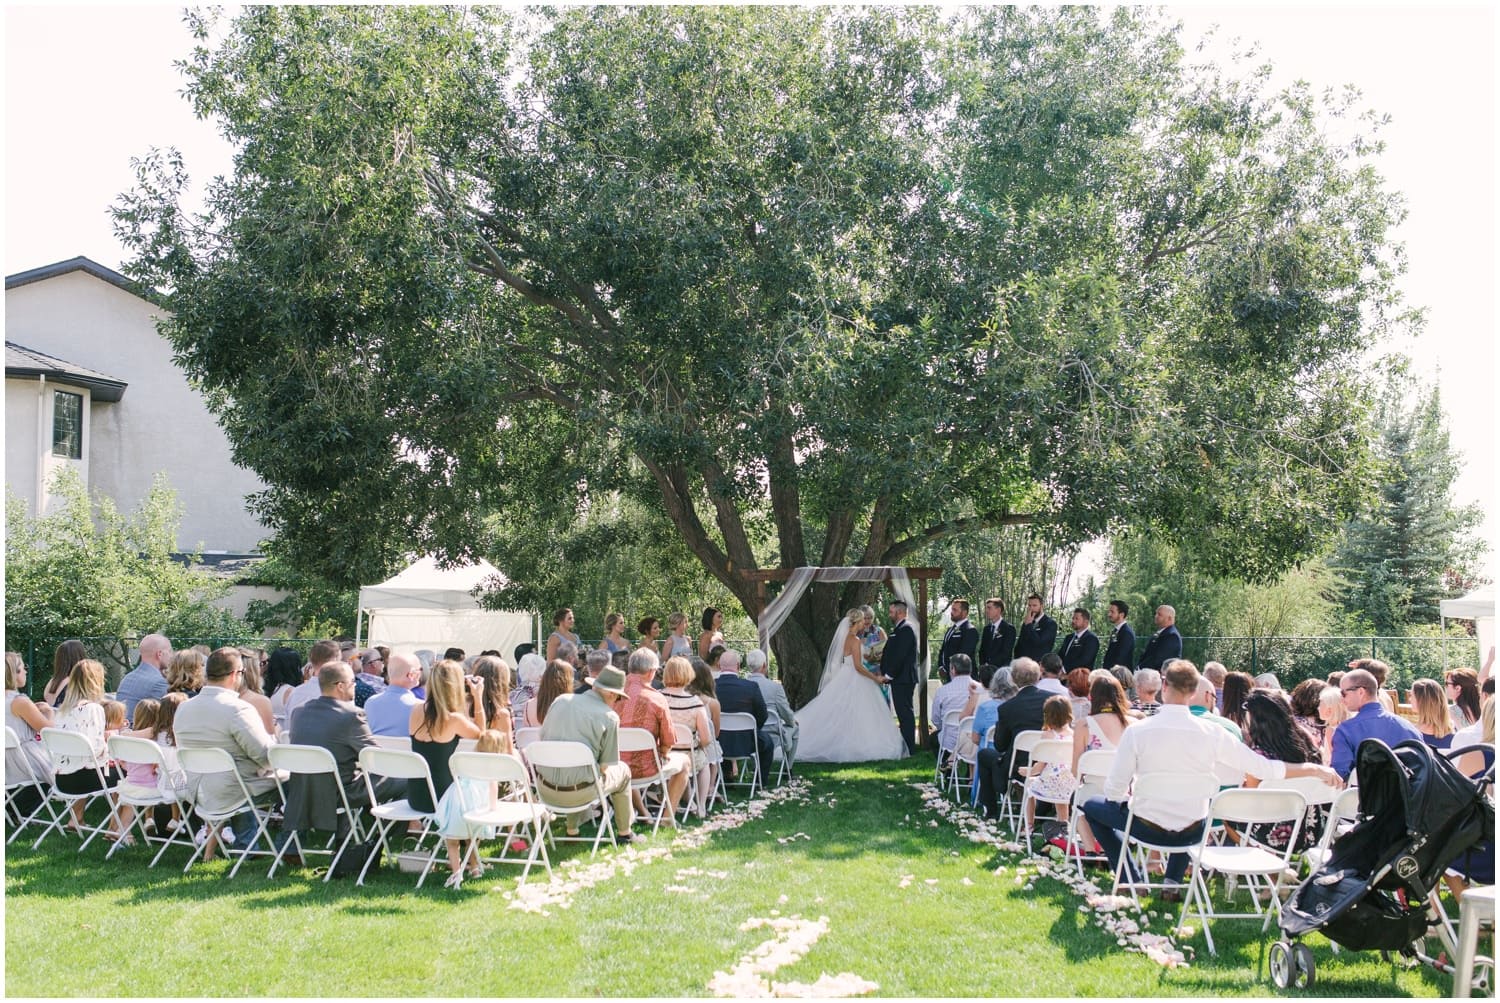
(1334, 677)
(1106, 721)
(1271, 731)
(496, 675)
(435, 726)
(589, 718)
(711, 637)
(1331, 714)
(185, 672)
(1001, 689)
(389, 711)
(140, 780)
(1022, 712)
(1126, 676)
(1215, 673)
(319, 655)
(1381, 671)
(149, 677)
(1367, 719)
(615, 640)
(1202, 705)
(1147, 692)
(951, 696)
(740, 696)
(529, 669)
(1077, 683)
(250, 691)
(1463, 691)
(371, 677)
(781, 722)
(1055, 781)
(1174, 742)
(595, 661)
(1267, 681)
(82, 712)
(562, 632)
(1304, 701)
(1237, 687)
(643, 707)
(704, 689)
(676, 643)
(557, 679)
(67, 655)
(650, 630)
(694, 729)
(218, 719)
(1434, 720)
(27, 719)
(1481, 732)
(1051, 680)
(283, 675)
(114, 719)
(173, 778)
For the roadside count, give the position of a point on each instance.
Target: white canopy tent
(1478, 606)
(429, 607)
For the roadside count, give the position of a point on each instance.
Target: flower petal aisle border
(578, 875)
(794, 937)
(1112, 913)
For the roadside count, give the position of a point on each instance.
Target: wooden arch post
(921, 576)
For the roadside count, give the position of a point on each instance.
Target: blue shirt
(985, 716)
(1372, 721)
(144, 682)
(389, 712)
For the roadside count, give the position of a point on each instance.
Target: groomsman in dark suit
(1121, 650)
(1038, 631)
(1165, 644)
(1081, 648)
(961, 639)
(997, 641)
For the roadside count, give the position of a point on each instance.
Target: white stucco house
(89, 383)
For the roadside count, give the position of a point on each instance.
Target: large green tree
(818, 285)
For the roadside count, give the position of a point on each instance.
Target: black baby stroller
(1378, 889)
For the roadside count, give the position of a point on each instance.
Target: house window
(67, 424)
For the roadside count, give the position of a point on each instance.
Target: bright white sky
(88, 87)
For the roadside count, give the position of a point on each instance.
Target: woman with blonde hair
(848, 721)
(250, 691)
(82, 712)
(435, 727)
(1332, 713)
(676, 642)
(614, 635)
(1433, 719)
(185, 672)
(690, 720)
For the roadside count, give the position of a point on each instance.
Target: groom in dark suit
(899, 665)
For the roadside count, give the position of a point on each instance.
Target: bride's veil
(835, 653)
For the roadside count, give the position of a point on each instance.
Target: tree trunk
(801, 645)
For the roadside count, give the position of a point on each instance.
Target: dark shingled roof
(22, 362)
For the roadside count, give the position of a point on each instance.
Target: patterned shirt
(644, 707)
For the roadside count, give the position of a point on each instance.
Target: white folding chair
(311, 761)
(143, 751)
(60, 743)
(525, 736)
(28, 779)
(1260, 865)
(1186, 789)
(398, 743)
(942, 768)
(961, 768)
(545, 755)
(212, 762)
(518, 809)
(398, 764)
(740, 723)
(641, 740)
(1345, 809)
(1050, 752)
(1023, 743)
(1093, 769)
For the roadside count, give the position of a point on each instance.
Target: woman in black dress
(435, 728)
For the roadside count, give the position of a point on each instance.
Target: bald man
(1165, 644)
(148, 680)
(389, 711)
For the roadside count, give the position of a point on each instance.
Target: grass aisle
(915, 909)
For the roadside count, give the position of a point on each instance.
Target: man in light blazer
(781, 723)
(218, 719)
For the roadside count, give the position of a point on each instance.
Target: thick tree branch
(786, 502)
(741, 557)
(836, 543)
(902, 549)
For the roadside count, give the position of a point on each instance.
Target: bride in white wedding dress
(848, 721)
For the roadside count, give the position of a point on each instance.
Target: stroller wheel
(1307, 967)
(1283, 967)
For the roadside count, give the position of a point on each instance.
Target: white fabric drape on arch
(777, 610)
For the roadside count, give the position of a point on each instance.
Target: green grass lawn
(916, 909)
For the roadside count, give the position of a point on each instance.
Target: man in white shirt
(952, 695)
(1052, 672)
(321, 654)
(1174, 742)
